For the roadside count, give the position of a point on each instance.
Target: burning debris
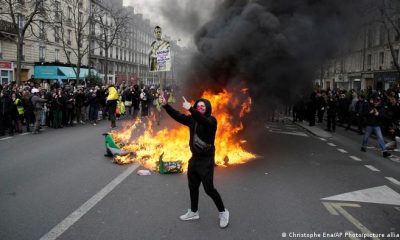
(166, 150)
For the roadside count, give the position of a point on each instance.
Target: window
(370, 37)
(381, 35)
(381, 58)
(57, 34)
(397, 36)
(23, 52)
(57, 8)
(69, 56)
(369, 61)
(69, 37)
(69, 14)
(21, 21)
(1, 52)
(57, 55)
(41, 29)
(41, 54)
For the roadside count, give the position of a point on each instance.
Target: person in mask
(202, 126)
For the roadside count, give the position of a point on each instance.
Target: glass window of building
(41, 53)
(57, 55)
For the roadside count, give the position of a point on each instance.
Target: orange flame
(149, 145)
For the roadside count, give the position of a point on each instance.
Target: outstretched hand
(186, 105)
(162, 100)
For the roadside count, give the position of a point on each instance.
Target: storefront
(6, 72)
(61, 73)
(385, 80)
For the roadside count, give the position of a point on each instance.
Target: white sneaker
(224, 218)
(190, 215)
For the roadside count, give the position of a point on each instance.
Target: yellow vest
(112, 94)
(19, 108)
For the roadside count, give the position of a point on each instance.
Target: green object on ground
(110, 141)
(169, 167)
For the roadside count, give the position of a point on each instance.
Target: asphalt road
(301, 186)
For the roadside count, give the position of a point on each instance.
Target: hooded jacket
(205, 125)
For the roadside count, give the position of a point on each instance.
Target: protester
(202, 126)
(38, 108)
(374, 118)
(112, 99)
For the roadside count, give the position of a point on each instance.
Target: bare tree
(70, 22)
(22, 14)
(111, 26)
(390, 18)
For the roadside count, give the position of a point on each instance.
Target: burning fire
(150, 145)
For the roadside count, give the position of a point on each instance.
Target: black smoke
(274, 46)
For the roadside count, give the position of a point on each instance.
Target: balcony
(8, 27)
(68, 22)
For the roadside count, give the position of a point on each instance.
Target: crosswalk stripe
(372, 168)
(1, 139)
(393, 180)
(342, 150)
(355, 158)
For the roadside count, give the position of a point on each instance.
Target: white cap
(35, 90)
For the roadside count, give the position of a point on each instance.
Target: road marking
(372, 168)
(355, 158)
(393, 180)
(330, 208)
(1, 139)
(339, 208)
(82, 210)
(22, 134)
(397, 208)
(332, 144)
(323, 139)
(342, 150)
(380, 195)
(290, 133)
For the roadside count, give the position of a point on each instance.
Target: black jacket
(206, 126)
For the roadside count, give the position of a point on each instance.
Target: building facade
(368, 62)
(42, 44)
(127, 57)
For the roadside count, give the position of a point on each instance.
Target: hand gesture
(162, 100)
(186, 105)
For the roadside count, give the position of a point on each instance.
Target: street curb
(312, 129)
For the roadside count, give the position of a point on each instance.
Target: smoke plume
(275, 47)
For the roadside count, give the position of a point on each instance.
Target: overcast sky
(179, 19)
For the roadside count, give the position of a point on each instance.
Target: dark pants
(331, 122)
(320, 115)
(57, 118)
(201, 170)
(28, 120)
(93, 110)
(112, 107)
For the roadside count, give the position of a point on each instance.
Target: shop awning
(58, 72)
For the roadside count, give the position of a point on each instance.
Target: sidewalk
(317, 131)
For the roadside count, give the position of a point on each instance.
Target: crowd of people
(368, 111)
(31, 106)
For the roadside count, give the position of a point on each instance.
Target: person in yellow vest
(120, 111)
(112, 99)
(20, 112)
